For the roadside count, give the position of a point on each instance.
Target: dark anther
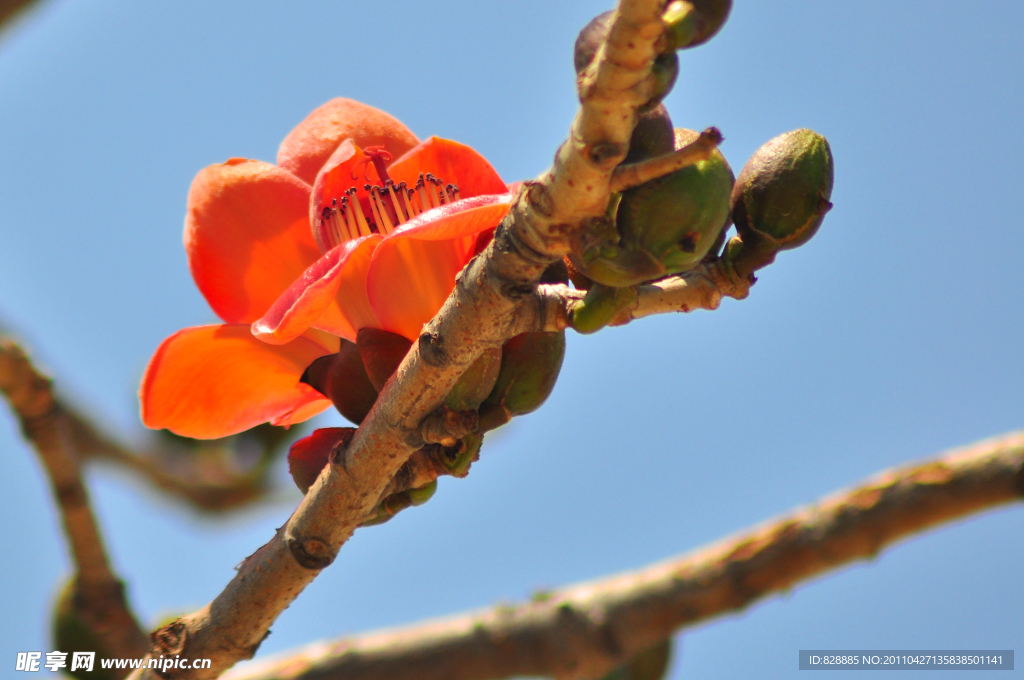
(326, 213)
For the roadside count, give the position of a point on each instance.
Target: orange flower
(334, 238)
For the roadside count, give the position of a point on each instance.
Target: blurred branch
(99, 599)
(213, 476)
(12, 10)
(585, 630)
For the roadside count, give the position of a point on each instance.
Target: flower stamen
(390, 205)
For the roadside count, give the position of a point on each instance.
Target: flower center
(384, 208)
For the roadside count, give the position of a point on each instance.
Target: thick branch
(584, 630)
(99, 595)
(483, 311)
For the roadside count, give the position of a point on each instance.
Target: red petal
(413, 269)
(310, 144)
(350, 309)
(213, 381)
(454, 163)
(247, 236)
(309, 296)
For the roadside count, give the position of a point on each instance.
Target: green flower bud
(530, 364)
(694, 22)
(782, 194)
(664, 226)
(664, 70)
(342, 378)
(650, 664)
(71, 634)
(476, 383)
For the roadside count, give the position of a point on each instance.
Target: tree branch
(482, 312)
(585, 630)
(99, 599)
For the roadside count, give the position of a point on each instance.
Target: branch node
(431, 351)
(447, 426)
(310, 553)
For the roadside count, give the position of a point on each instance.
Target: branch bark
(99, 599)
(585, 630)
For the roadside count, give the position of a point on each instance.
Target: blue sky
(895, 334)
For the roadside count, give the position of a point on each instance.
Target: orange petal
(310, 144)
(454, 163)
(247, 236)
(213, 381)
(413, 269)
(307, 298)
(350, 309)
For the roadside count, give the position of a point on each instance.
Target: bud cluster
(678, 221)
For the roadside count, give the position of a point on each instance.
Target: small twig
(99, 599)
(585, 630)
(635, 174)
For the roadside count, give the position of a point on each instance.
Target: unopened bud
(694, 22)
(782, 194)
(664, 226)
(530, 364)
(310, 455)
(476, 383)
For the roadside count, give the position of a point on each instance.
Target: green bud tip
(530, 364)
